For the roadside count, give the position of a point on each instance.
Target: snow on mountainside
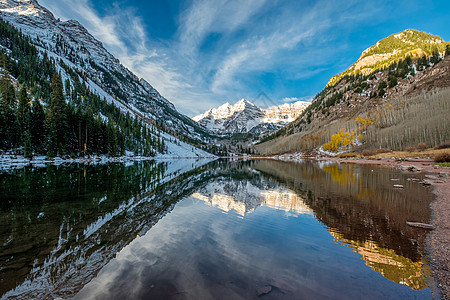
(68, 42)
(245, 116)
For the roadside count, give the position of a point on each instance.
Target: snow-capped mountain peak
(242, 104)
(244, 116)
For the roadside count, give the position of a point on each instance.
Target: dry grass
(383, 150)
(429, 153)
(348, 155)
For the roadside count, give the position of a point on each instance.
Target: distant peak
(244, 102)
(225, 105)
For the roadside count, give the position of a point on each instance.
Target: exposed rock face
(288, 111)
(371, 60)
(244, 117)
(104, 74)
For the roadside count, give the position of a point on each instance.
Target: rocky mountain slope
(69, 44)
(409, 43)
(382, 101)
(246, 117)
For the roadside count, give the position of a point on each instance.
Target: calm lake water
(221, 230)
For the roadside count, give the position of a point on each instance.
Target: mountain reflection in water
(244, 198)
(272, 221)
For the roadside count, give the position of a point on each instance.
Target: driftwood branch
(420, 225)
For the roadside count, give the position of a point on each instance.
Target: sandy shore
(439, 238)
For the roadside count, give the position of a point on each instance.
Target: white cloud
(222, 16)
(81, 10)
(254, 55)
(295, 99)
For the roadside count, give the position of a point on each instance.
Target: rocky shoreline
(437, 177)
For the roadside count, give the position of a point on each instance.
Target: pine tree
(56, 118)
(24, 118)
(7, 90)
(27, 147)
(24, 110)
(9, 128)
(37, 126)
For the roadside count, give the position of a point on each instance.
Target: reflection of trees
(362, 205)
(363, 211)
(394, 267)
(68, 222)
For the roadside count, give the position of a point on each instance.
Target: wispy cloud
(295, 99)
(222, 49)
(81, 10)
(256, 55)
(293, 31)
(204, 17)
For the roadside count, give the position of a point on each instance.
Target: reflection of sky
(198, 252)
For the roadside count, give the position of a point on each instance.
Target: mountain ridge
(70, 46)
(246, 117)
(73, 42)
(397, 46)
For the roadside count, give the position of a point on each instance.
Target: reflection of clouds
(199, 253)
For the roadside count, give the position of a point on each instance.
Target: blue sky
(200, 54)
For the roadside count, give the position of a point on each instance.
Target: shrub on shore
(383, 150)
(369, 152)
(442, 157)
(443, 145)
(421, 146)
(348, 155)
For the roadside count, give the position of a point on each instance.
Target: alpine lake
(224, 229)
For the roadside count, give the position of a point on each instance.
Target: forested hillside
(41, 114)
(393, 103)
